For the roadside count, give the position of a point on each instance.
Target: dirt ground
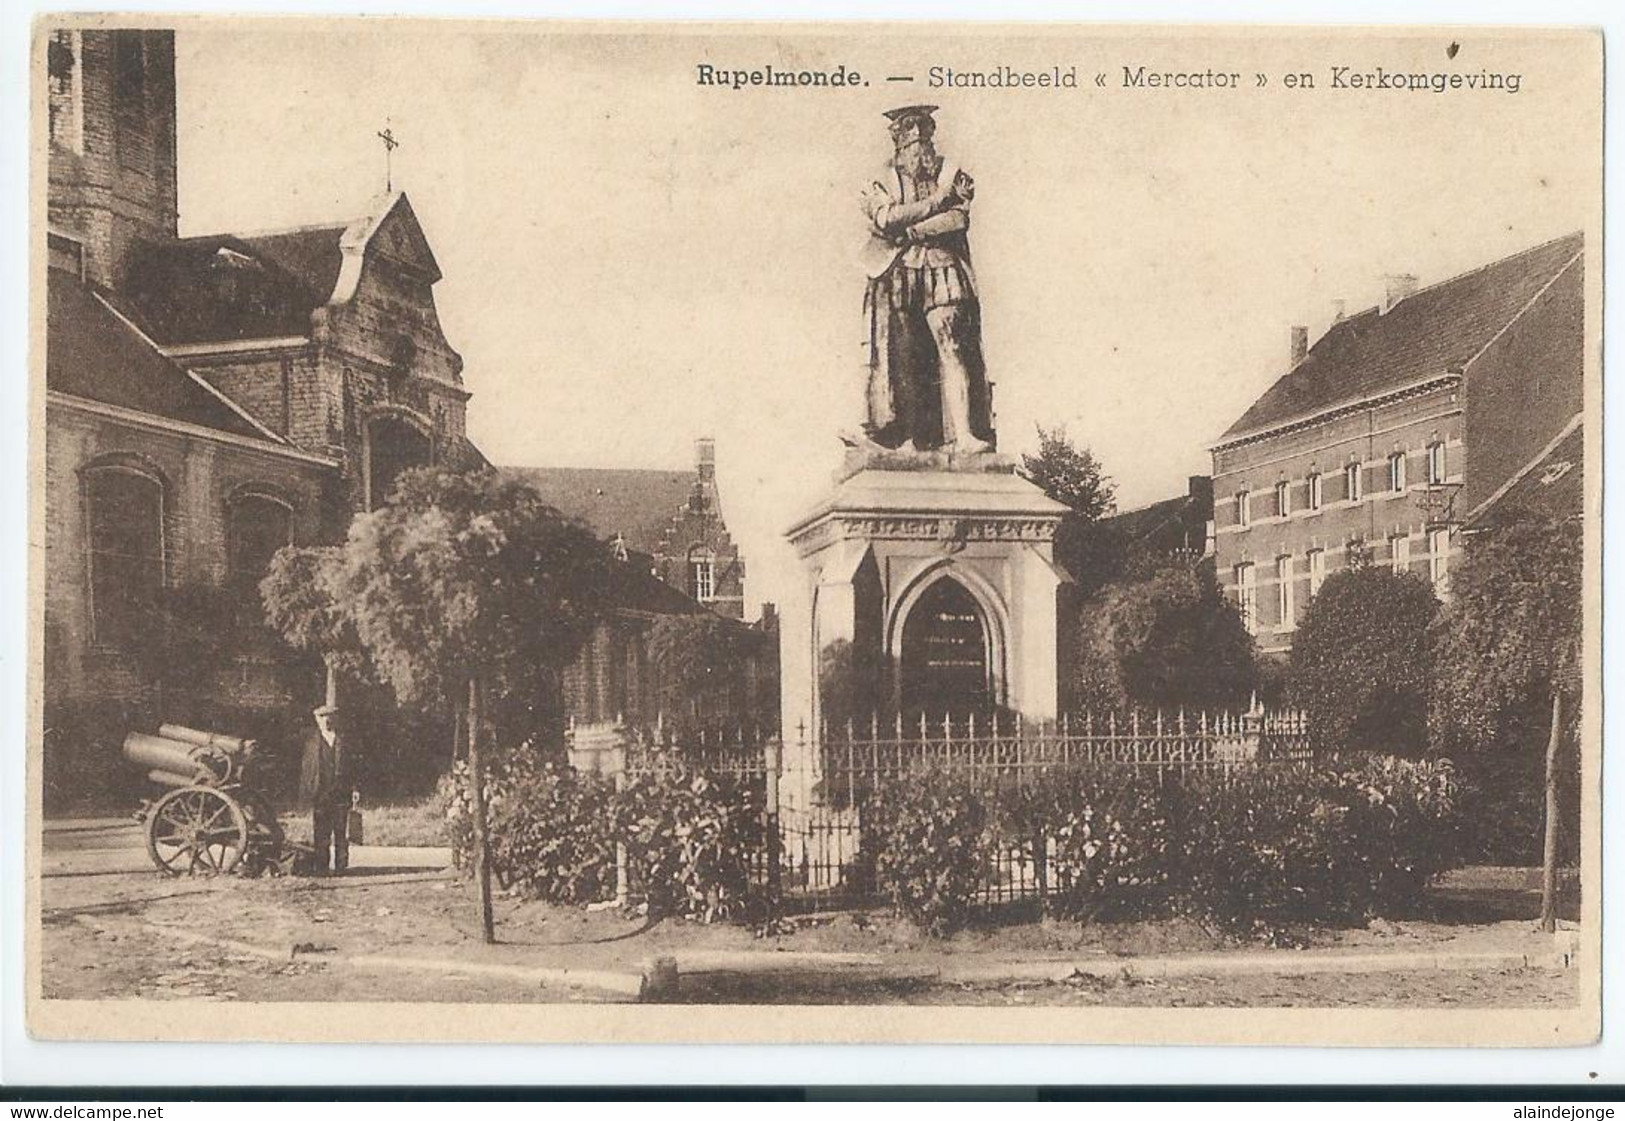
(122, 933)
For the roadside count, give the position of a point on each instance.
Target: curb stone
(866, 966)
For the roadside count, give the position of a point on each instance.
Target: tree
(1168, 640)
(1360, 660)
(301, 605)
(1512, 636)
(1091, 552)
(703, 664)
(1069, 474)
(468, 587)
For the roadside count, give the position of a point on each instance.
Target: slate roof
(637, 504)
(1150, 521)
(634, 587)
(1433, 332)
(1553, 484)
(90, 352)
(223, 287)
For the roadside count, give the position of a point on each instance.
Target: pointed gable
(398, 237)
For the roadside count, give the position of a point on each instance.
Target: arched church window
(126, 528)
(393, 446)
(257, 525)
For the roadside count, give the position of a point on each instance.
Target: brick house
(1401, 419)
(668, 531)
(673, 519)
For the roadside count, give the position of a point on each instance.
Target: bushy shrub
(1262, 845)
(1167, 637)
(1409, 825)
(689, 837)
(549, 826)
(931, 842)
(1103, 834)
(1360, 664)
(1334, 842)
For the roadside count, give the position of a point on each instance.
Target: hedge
(689, 835)
(1333, 842)
(1243, 847)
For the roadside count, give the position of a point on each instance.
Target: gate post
(772, 759)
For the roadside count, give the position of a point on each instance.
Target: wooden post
(476, 795)
(1548, 876)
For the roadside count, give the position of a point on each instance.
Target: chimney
(1340, 310)
(1300, 346)
(1399, 285)
(705, 458)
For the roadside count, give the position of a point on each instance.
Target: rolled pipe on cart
(230, 744)
(167, 755)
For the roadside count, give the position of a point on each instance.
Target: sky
(632, 261)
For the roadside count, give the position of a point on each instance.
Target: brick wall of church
(199, 479)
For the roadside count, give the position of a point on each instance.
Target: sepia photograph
(572, 532)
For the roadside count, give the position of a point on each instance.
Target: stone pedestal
(883, 539)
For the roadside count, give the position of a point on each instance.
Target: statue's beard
(917, 159)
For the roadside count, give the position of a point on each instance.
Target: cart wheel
(197, 829)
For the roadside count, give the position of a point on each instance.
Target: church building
(209, 399)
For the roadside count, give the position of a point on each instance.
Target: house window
(1436, 462)
(1399, 548)
(1283, 498)
(1396, 471)
(126, 509)
(1314, 490)
(1317, 570)
(1244, 508)
(1246, 597)
(1286, 616)
(257, 525)
(1351, 483)
(701, 576)
(1439, 558)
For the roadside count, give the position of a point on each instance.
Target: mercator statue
(926, 381)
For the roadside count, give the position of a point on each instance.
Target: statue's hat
(904, 112)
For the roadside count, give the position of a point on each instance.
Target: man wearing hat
(326, 783)
(923, 339)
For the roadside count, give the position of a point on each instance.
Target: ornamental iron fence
(818, 792)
